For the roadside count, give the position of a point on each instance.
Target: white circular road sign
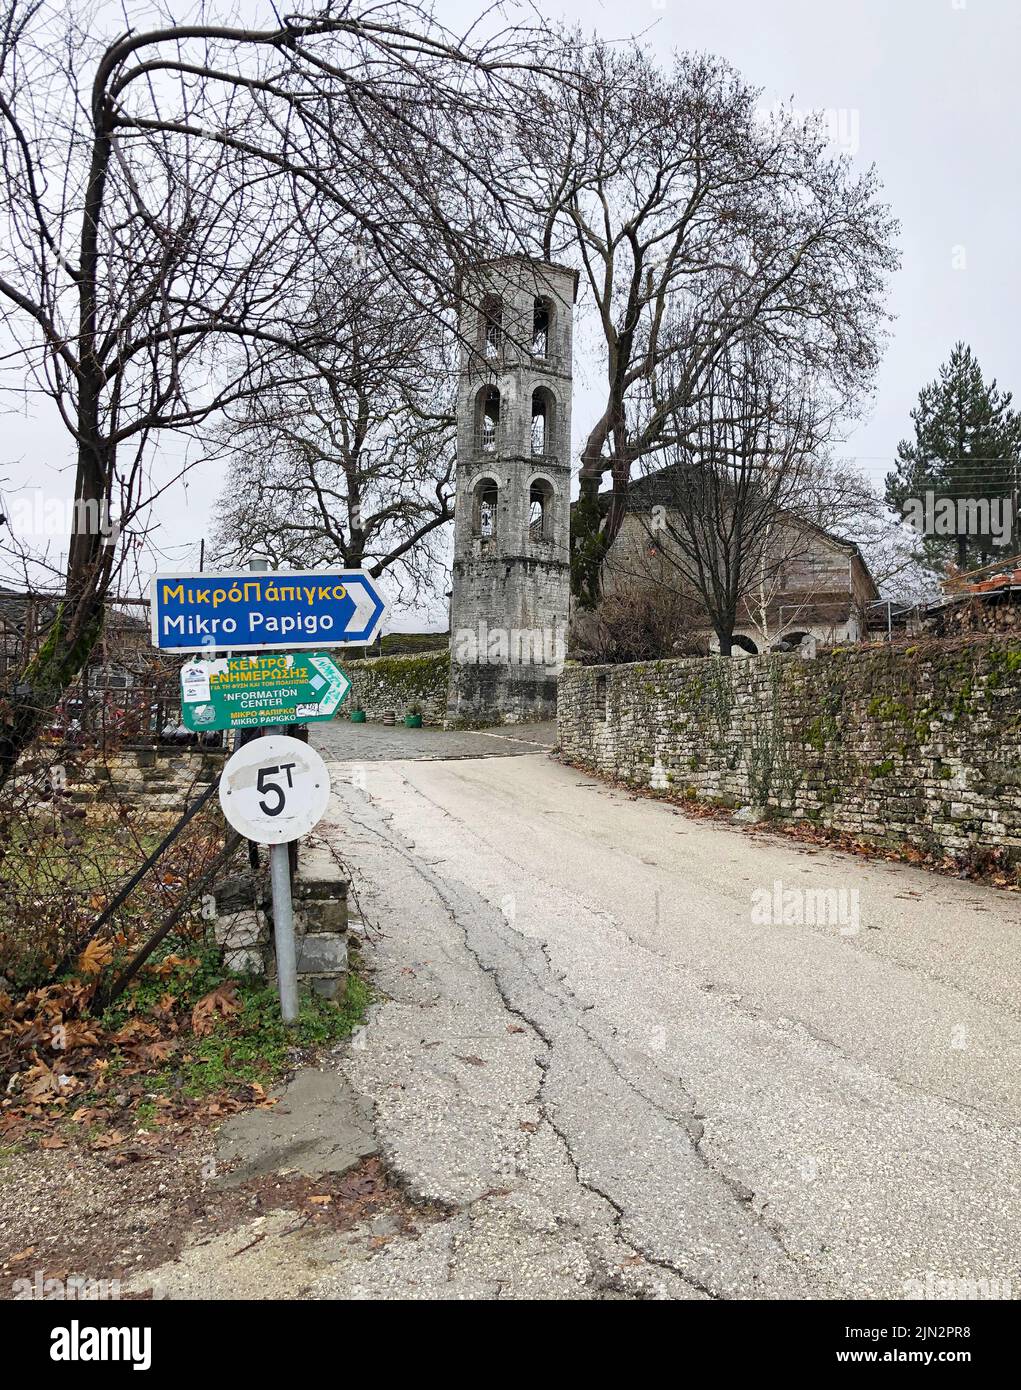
(274, 789)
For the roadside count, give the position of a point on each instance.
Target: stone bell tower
(511, 582)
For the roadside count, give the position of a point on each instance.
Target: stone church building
(807, 583)
(510, 597)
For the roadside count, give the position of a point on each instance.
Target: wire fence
(94, 796)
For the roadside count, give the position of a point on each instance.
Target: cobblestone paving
(342, 741)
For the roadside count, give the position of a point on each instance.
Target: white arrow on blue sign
(248, 610)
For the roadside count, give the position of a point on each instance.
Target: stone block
(322, 953)
(329, 986)
(233, 894)
(240, 929)
(245, 961)
(319, 875)
(325, 915)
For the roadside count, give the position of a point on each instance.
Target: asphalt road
(341, 741)
(618, 1080)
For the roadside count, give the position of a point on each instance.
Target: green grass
(145, 1113)
(253, 1045)
(187, 983)
(36, 853)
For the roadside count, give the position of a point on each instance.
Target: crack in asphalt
(691, 1105)
(727, 994)
(516, 944)
(395, 841)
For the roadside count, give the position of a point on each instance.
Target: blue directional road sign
(256, 610)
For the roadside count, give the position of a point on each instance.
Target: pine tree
(966, 448)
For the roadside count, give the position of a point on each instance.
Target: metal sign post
(283, 931)
(274, 790)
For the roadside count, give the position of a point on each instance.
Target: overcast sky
(924, 89)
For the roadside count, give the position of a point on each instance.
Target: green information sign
(243, 692)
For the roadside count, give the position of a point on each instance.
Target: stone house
(807, 582)
(123, 651)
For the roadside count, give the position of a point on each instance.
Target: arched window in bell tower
(487, 419)
(540, 510)
(485, 501)
(492, 325)
(543, 406)
(542, 326)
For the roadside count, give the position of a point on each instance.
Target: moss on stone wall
(918, 744)
(395, 682)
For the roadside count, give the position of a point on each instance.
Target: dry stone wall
(160, 781)
(385, 683)
(243, 921)
(918, 745)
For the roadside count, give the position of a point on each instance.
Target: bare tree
(163, 188)
(815, 503)
(350, 462)
(695, 219)
(718, 526)
(638, 621)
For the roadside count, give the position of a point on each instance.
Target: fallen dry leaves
(221, 1001)
(96, 957)
(55, 1065)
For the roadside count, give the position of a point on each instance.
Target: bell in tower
(511, 579)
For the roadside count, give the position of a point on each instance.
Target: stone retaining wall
(385, 683)
(243, 922)
(161, 781)
(918, 745)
